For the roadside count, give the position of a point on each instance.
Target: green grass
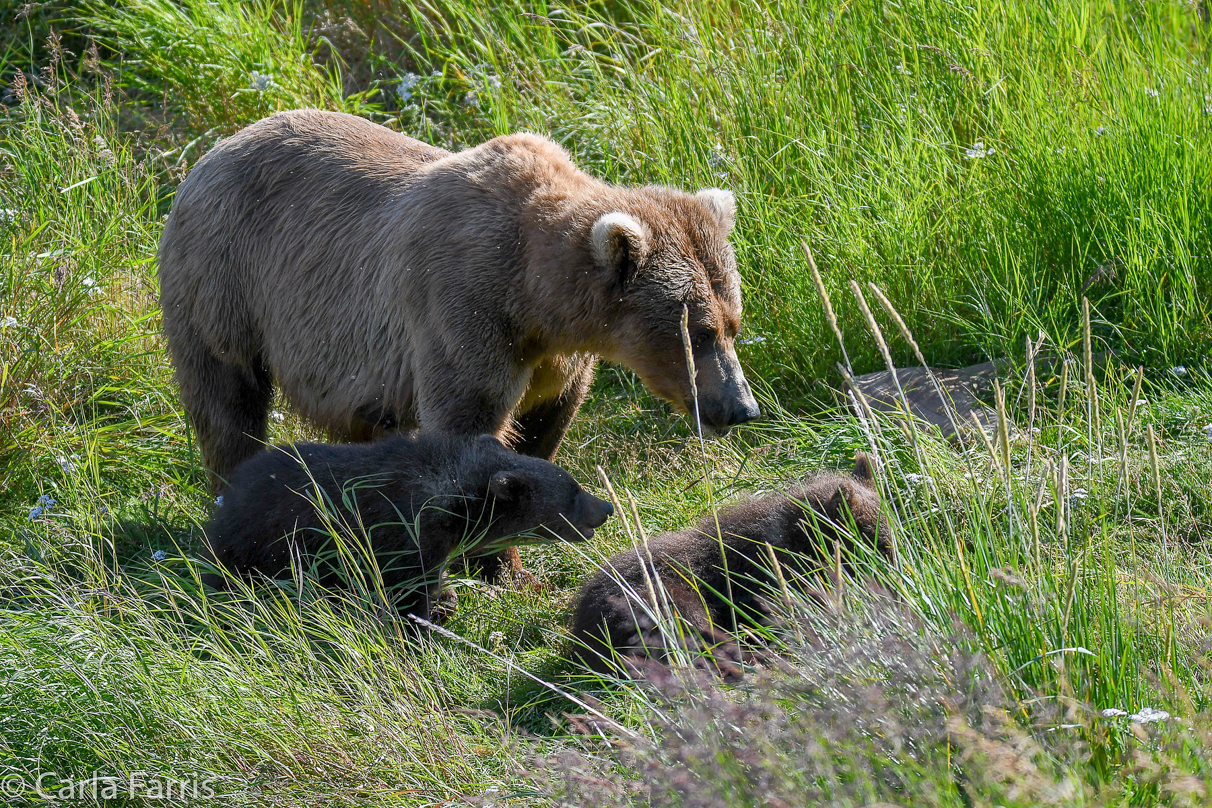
(847, 127)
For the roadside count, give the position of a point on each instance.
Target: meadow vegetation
(1001, 175)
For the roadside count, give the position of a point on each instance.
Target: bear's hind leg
(228, 406)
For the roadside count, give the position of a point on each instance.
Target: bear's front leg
(475, 399)
(540, 423)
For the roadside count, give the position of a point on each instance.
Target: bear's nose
(599, 512)
(746, 412)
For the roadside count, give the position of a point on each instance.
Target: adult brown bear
(381, 282)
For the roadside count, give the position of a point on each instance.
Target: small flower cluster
(103, 151)
(1147, 715)
(159, 556)
(978, 151)
(261, 81)
(44, 504)
(487, 81)
(406, 87)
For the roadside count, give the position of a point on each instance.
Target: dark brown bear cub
(615, 624)
(410, 500)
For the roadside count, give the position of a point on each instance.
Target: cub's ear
(864, 469)
(507, 486)
(722, 205)
(619, 243)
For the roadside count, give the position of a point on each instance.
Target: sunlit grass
(853, 128)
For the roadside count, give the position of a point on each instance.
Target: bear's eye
(702, 339)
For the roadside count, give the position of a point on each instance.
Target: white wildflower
(492, 82)
(978, 151)
(1208, 430)
(90, 287)
(277, 416)
(902, 69)
(68, 464)
(10, 322)
(261, 81)
(103, 151)
(496, 638)
(406, 87)
(756, 339)
(8, 215)
(1100, 131)
(917, 479)
(1114, 712)
(1148, 715)
(1179, 370)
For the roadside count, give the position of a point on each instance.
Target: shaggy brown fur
(409, 500)
(380, 282)
(614, 626)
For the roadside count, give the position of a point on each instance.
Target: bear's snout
(725, 399)
(590, 514)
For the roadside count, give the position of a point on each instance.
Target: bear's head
(840, 505)
(527, 498)
(663, 251)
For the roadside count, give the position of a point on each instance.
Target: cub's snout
(589, 514)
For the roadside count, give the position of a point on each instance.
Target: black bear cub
(411, 500)
(613, 626)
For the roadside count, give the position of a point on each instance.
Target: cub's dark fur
(413, 500)
(609, 621)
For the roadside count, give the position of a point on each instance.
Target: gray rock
(962, 390)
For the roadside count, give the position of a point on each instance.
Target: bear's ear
(507, 486)
(864, 469)
(841, 506)
(722, 205)
(619, 243)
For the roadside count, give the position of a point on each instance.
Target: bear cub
(613, 627)
(411, 500)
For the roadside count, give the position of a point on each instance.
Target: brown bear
(615, 624)
(410, 500)
(380, 282)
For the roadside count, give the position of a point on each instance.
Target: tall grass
(987, 165)
(1034, 561)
